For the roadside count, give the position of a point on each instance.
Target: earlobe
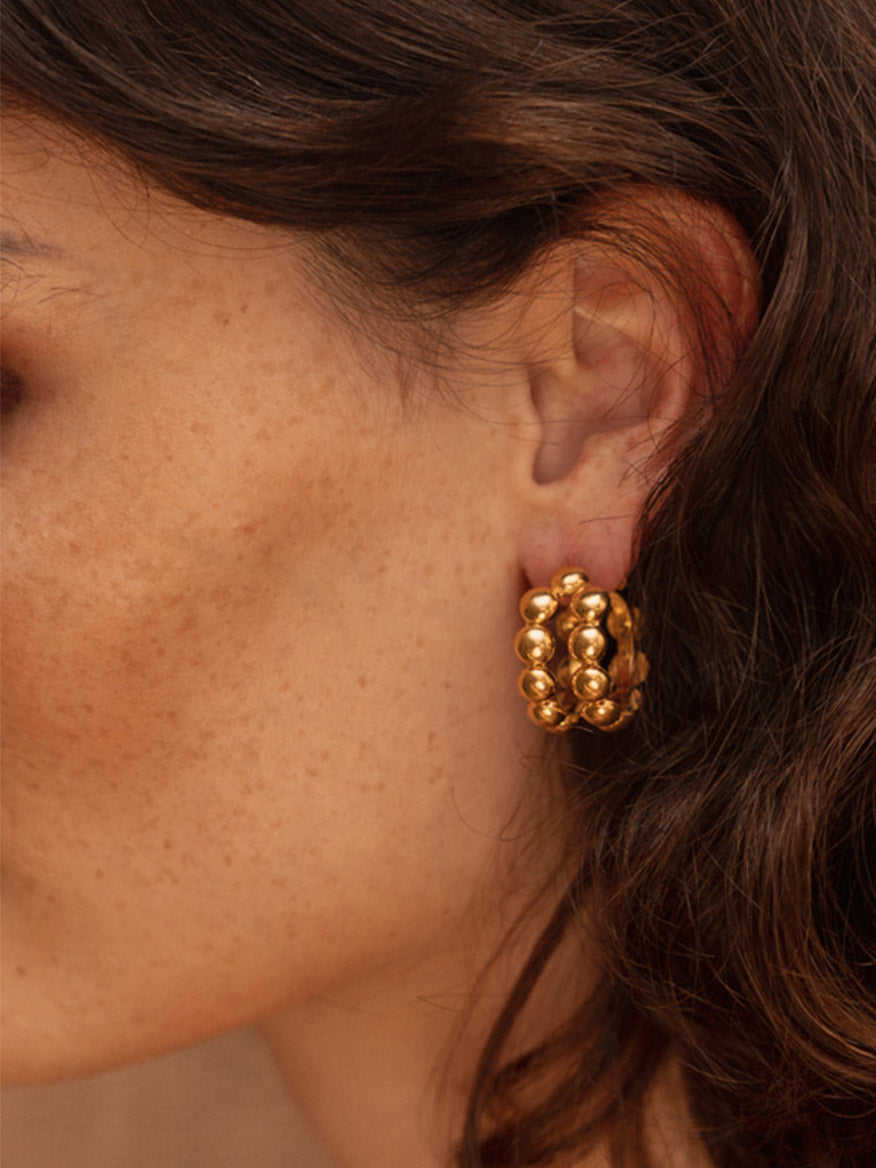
(629, 379)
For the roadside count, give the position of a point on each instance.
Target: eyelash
(11, 391)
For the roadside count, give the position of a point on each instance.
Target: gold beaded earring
(599, 680)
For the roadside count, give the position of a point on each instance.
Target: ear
(632, 333)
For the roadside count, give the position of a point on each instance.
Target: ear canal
(607, 382)
(563, 432)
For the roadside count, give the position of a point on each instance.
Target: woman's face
(260, 729)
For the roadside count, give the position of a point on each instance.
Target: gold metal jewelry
(599, 679)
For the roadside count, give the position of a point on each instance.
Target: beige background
(219, 1105)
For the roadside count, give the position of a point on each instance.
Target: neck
(362, 1074)
(382, 1067)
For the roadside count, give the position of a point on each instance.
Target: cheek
(161, 687)
(220, 721)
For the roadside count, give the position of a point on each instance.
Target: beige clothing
(219, 1105)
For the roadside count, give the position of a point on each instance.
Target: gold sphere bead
(536, 684)
(640, 671)
(587, 643)
(620, 672)
(534, 645)
(537, 606)
(589, 606)
(619, 621)
(567, 622)
(590, 683)
(548, 714)
(566, 582)
(566, 670)
(603, 713)
(626, 716)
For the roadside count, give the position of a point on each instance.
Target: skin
(257, 609)
(263, 749)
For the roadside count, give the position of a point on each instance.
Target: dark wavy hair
(726, 842)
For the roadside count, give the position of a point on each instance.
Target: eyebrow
(16, 246)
